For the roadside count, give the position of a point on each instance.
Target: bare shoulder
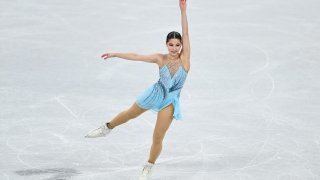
(161, 59)
(185, 60)
(151, 58)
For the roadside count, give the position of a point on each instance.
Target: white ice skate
(100, 132)
(146, 172)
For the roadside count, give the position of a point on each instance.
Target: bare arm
(152, 58)
(185, 52)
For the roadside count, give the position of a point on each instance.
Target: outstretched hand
(106, 56)
(183, 4)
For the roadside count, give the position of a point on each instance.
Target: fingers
(105, 56)
(183, 3)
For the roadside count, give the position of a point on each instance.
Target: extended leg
(124, 116)
(121, 118)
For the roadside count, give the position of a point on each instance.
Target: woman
(162, 96)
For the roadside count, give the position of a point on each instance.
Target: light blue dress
(166, 91)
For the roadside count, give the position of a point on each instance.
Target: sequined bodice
(172, 76)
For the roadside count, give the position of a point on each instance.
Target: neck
(173, 57)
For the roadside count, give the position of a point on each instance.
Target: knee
(158, 138)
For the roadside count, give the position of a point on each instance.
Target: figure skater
(163, 96)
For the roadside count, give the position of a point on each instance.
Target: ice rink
(250, 105)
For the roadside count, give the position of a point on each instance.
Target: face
(174, 46)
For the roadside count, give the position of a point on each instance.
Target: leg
(164, 120)
(123, 117)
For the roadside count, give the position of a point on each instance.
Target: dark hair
(174, 35)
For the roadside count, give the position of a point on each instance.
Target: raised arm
(185, 52)
(152, 58)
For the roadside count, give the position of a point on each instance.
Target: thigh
(135, 110)
(164, 119)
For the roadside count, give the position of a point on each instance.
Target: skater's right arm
(152, 58)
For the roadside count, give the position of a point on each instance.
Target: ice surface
(250, 103)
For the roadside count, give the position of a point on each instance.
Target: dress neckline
(172, 76)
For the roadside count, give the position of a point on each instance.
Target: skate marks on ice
(55, 173)
(59, 101)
